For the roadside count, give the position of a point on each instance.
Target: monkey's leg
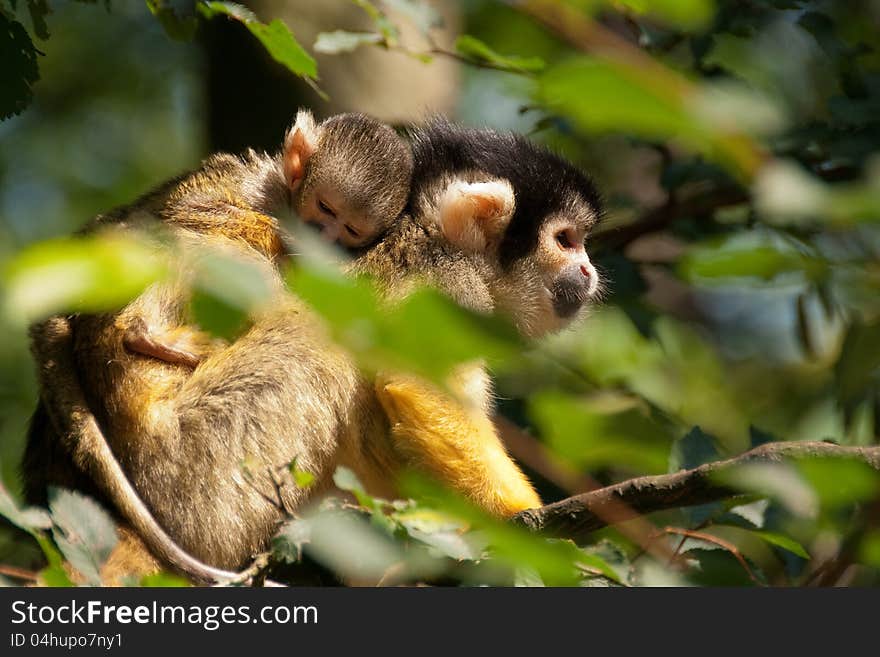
(458, 446)
(81, 437)
(179, 346)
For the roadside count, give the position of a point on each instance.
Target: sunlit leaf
(395, 338)
(83, 531)
(275, 37)
(783, 542)
(345, 479)
(840, 482)
(163, 580)
(760, 260)
(869, 551)
(288, 543)
(78, 275)
(687, 14)
(355, 548)
(556, 562)
(29, 520)
(55, 576)
(475, 50)
(444, 534)
(781, 482)
(753, 512)
(301, 478)
(333, 43)
(605, 431)
(386, 28)
(227, 291)
(601, 95)
(421, 12)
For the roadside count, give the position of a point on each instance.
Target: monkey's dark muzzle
(570, 293)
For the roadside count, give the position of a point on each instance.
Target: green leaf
(55, 576)
(693, 449)
(84, 532)
(287, 545)
(472, 48)
(275, 37)
(869, 551)
(613, 557)
(345, 479)
(685, 14)
(840, 482)
(778, 481)
(858, 366)
(29, 520)
(423, 15)
(609, 430)
(179, 28)
(227, 291)
(443, 534)
(386, 28)
(92, 274)
(753, 512)
(333, 43)
(394, 338)
(217, 316)
(301, 478)
(602, 95)
(783, 542)
(163, 580)
(355, 548)
(756, 259)
(556, 562)
(19, 71)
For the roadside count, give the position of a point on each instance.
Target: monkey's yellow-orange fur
(455, 444)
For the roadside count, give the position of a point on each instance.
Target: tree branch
(660, 218)
(578, 516)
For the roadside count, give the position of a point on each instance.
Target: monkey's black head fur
(543, 182)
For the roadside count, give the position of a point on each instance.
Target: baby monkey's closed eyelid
(324, 207)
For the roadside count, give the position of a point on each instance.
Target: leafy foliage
(738, 144)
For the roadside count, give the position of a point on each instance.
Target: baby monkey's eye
(352, 231)
(326, 209)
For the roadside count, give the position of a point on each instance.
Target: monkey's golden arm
(457, 445)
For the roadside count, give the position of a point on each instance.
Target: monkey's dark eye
(326, 209)
(563, 239)
(351, 231)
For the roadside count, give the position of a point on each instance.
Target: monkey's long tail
(80, 435)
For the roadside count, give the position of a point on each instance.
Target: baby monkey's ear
(299, 144)
(473, 215)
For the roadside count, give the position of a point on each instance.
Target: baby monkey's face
(337, 219)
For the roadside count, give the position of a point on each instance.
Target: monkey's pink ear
(473, 215)
(299, 144)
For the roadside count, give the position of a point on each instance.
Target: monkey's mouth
(569, 298)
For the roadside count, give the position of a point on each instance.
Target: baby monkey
(348, 175)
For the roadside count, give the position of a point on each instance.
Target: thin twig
(19, 573)
(720, 542)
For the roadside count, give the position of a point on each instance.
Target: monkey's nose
(330, 232)
(591, 278)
